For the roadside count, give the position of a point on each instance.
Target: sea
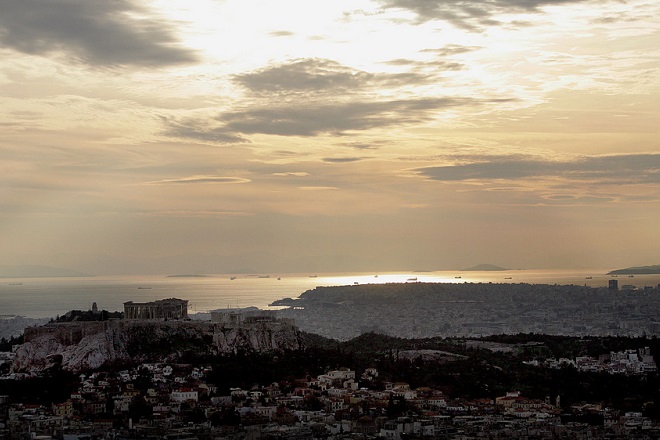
(51, 297)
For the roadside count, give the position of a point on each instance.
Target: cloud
(202, 130)
(315, 119)
(470, 15)
(321, 76)
(363, 145)
(451, 49)
(291, 174)
(616, 169)
(342, 159)
(303, 75)
(440, 65)
(99, 33)
(281, 34)
(311, 97)
(317, 188)
(572, 199)
(201, 179)
(286, 153)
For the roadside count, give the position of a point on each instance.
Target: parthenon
(170, 308)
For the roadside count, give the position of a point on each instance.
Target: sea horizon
(53, 296)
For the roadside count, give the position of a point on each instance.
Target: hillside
(79, 346)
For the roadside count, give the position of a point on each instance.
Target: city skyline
(144, 136)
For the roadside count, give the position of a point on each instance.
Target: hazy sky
(297, 135)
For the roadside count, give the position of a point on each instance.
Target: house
(183, 395)
(63, 409)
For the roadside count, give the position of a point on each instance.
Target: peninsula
(641, 270)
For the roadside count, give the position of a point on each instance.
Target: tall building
(614, 285)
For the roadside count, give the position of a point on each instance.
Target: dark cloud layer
(303, 75)
(472, 14)
(99, 33)
(315, 119)
(319, 76)
(622, 169)
(342, 159)
(310, 97)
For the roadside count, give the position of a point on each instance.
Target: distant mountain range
(484, 267)
(641, 270)
(30, 271)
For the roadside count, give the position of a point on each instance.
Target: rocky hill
(91, 345)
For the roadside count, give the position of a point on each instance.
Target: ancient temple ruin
(170, 308)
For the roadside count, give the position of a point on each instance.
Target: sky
(211, 136)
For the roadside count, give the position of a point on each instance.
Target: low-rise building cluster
(162, 401)
(628, 362)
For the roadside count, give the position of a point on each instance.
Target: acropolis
(170, 308)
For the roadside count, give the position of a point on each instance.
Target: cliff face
(80, 347)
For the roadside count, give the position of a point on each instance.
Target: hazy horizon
(143, 136)
(39, 271)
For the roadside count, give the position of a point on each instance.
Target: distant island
(642, 270)
(484, 267)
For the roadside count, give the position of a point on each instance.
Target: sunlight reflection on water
(47, 297)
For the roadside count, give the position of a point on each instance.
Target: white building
(184, 394)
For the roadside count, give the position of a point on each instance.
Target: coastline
(48, 297)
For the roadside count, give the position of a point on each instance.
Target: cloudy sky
(153, 136)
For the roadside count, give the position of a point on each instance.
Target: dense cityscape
(419, 310)
(540, 362)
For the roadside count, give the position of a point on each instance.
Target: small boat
(412, 279)
(356, 283)
(588, 278)
(458, 278)
(145, 288)
(232, 278)
(507, 278)
(312, 276)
